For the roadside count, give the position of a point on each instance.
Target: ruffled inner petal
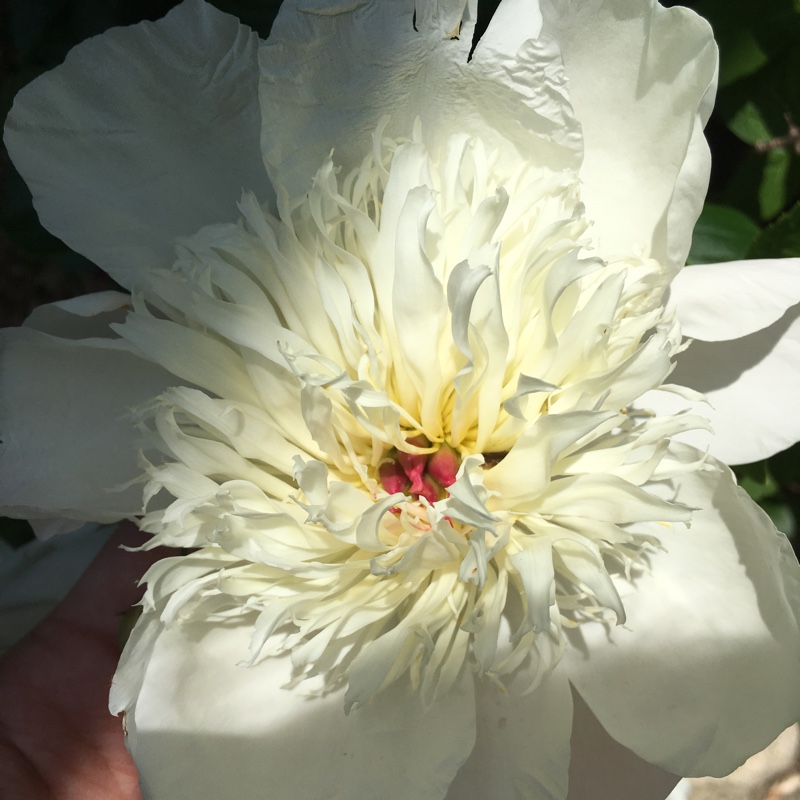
(330, 72)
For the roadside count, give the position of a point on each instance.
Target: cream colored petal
(704, 672)
(66, 439)
(205, 727)
(641, 80)
(144, 133)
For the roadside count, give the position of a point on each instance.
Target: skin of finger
(57, 739)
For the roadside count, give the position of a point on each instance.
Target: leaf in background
(774, 192)
(755, 110)
(721, 234)
(784, 506)
(748, 123)
(781, 239)
(756, 479)
(740, 52)
(760, 62)
(782, 517)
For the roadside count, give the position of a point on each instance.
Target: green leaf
(749, 33)
(782, 517)
(756, 479)
(748, 123)
(755, 106)
(773, 194)
(781, 239)
(721, 234)
(740, 55)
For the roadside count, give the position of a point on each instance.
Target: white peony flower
(407, 396)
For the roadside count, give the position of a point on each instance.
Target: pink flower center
(420, 474)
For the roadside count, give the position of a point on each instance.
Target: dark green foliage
(722, 234)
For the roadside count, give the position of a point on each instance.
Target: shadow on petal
(603, 769)
(708, 366)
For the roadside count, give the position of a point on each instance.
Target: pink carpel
(443, 466)
(429, 490)
(392, 477)
(413, 464)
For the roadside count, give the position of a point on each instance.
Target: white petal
(81, 317)
(155, 144)
(646, 164)
(46, 528)
(704, 673)
(332, 70)
(522, 750)
(66, 441)
(204, 727)
(527, 744)
(682, 791)
(753, 387)
(514, 22)
(715, 302)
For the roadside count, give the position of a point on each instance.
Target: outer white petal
(155, 144)
(682, 791)
(66, 440)
(523, 749)
(204, 727)
(642, 80)
(547, 745)
(716, 302)
(753, 387)
(81, 317)
(704, 673)
(331, 70)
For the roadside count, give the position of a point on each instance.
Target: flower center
(372, 551)
(420, 474)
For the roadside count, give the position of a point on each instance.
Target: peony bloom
(396, 367)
